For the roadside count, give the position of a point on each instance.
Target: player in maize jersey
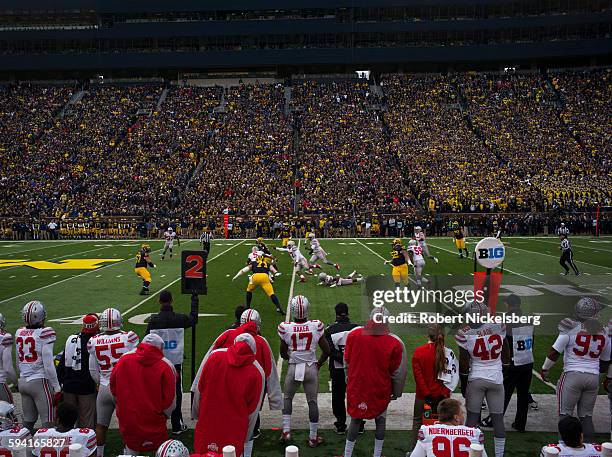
(105, 350)
(260, 266)
(416, 254)
(38, 382)
(10, 430)
(585, 346)
(169, 237)
(299, 261)
(252, 257)
(448, 437)
(318, 253)
(143, 262)
(399, 262)
(460, 240)
(7, 370)
(483, 349)
(572, 441)
(419, 235)
(64, 434)
(299, 340)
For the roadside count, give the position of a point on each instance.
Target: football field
(73, 278)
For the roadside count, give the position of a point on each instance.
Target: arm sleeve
(169, 389)
(399, 369)
(273, 388)
(94, 368)
(49, 366)
(421, 383)
(419, 450)
(561, 343)
(7, 364)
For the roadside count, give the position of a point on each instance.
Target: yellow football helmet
(145, 247)
(397, 241)
(260, 240)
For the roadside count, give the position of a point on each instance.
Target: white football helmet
(110, 320)
(311, 235)
(254, 250)
(299, 307)
(587, 308)
(322, 276)
(7, 416)
(34, 313)
(170, 229)
(250, 315)
(290, 244)
(412, 242)
(417, 228)
(172, 448)
(2, 321)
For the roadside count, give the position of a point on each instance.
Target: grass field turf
(68, 294)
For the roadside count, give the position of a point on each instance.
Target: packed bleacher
(459, 143)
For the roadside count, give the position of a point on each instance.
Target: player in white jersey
(418, 261)
(419, 235)
(483, 349)
(252, 257)
(338, 281)
(299, 261)
(59, 438)
(7, 369)
(38, 382)
(299, 341)
(448, 437)
(169, 237)
(572, 441)
(105, 350)
(10, 430)
(585, 346)
(318, 253)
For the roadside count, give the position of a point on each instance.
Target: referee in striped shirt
(563, 230)
(567, 256)
(205, 238)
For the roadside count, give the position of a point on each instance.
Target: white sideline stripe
(555, 257)
(279, 362)
(141, 302)
(68, 279)
(44, 247)
(57, 258)
(580, 246)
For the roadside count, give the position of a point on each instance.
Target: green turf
(397, 443)
(68, 294)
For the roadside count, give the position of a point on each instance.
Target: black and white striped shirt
(205, 238)
(563, 230)
(566, 245)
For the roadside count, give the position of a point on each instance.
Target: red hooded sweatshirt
(377, 368)
(144, 386)
(231, 387)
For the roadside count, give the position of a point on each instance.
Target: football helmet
(34, 313)
(145, 247)
(172, 448)
(311, 235)
(8, 419)
(476, 307)
(587, 308)
(299, 307)
(110, 320)
(2, 322)
(397, 241)
(412, 242)
(290, 243)
(254, 250)
(417, 228)
(322, 276)
(250, 315)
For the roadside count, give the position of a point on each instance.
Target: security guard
(170, 326)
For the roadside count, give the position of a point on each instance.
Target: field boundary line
(579, 246)
(279, 362)
(555, 257)
(157, 292)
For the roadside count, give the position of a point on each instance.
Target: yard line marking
(141, 302)
(279, 362)
(118, 276)
(56, 276)
(67, 279)
(34, 276)
(163, 276)
(97, 276)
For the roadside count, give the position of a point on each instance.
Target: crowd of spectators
(416, 144)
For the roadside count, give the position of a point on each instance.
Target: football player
(399, 261)
(299, 340)
(448, 437)
(337, 281)
(169, 235)
(460, 241)
(64, 432)
(7, 370)
(172, 448)
(419, 235)
(299, 261)
(260, 266)
(38, 384)
(105, 350)
(416, 254)
(483, 349)
(585, 346)
(572, 441)
(317, 252)
(10, 430)
(143, 261)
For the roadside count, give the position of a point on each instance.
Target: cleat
(182, 430)
(279, 310)
(285, 437)
(533, 405)
(314, 442)
(336, 266)
(340, 429)
(352, 274)
(302, 278)
(277, 274)
(435, 259)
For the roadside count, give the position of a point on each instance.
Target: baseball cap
(90, 324)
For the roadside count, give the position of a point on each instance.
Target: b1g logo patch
(490, 252)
